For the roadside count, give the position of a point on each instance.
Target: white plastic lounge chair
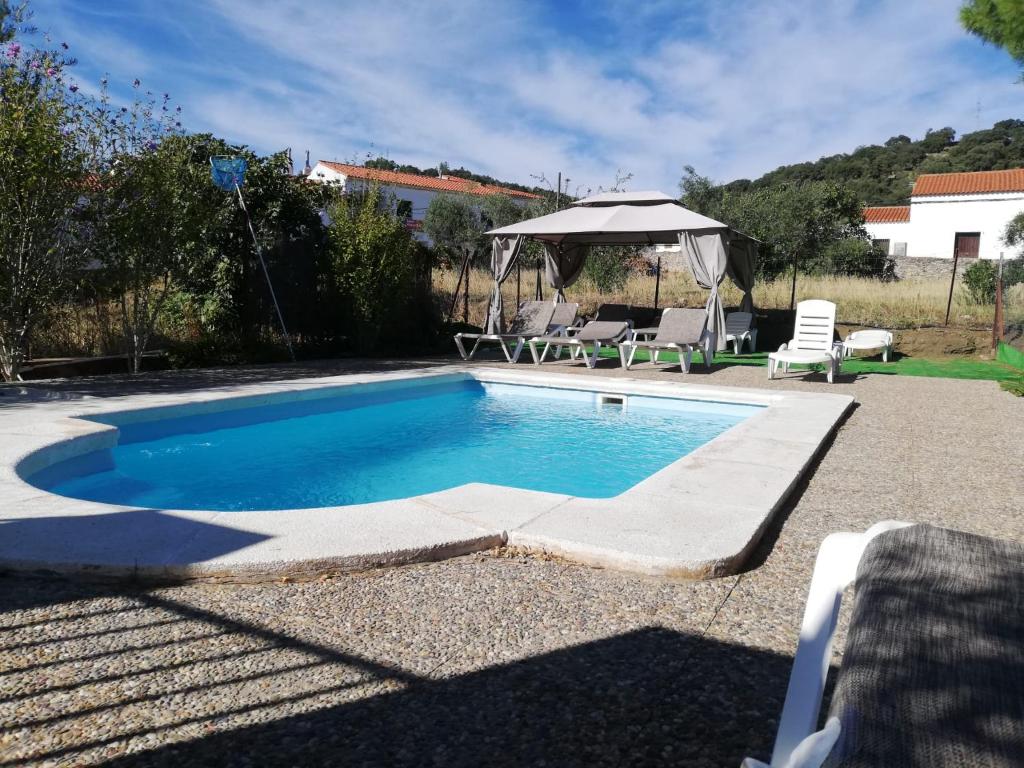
(595, 333)
(738, 330)
(532, 318)
(872, 338)
(563, 323)
(680, 331)
(931, 672)
(812, 340)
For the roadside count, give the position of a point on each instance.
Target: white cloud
(734, 88)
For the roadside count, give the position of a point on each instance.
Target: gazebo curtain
(504, 254)
(706, 254)
(740, 267)
(563, 265)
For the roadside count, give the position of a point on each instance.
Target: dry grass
(902, 304)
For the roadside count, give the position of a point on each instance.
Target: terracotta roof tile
(979, 182)
(886, 214)
(446, 184)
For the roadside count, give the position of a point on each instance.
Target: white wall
(934, 222)
(894, 232)
(420, 198)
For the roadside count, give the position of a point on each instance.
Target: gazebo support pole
(519, 283)
(792, 293)
(657, 282)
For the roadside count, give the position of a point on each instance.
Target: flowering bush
(41, 187)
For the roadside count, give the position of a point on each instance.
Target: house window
(965, 245)
(404, 209)
(882, 245)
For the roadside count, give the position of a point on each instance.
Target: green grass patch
(903, 365)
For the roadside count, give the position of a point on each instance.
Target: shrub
(979, 282)
(608, 267)
(374, 260)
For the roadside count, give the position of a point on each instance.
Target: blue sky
(732, 87)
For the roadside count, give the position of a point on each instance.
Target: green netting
(903, 365)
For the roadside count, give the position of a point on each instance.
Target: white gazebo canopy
(713, 249)
(616, 218)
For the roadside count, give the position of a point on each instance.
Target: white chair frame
(834, 570)
(871, 338)
(812, 340)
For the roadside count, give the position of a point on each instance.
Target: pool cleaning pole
(266, 273)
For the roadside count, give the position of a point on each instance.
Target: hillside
(884, 175)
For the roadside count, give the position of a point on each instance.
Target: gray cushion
(681, 326)
(601, 330)
(564, 314)
(933, 671)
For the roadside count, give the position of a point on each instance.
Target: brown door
(965, 245)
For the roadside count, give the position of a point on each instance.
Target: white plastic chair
(812, 340)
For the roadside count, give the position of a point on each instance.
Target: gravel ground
(496, 658)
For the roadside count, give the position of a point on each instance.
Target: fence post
(792, 293)
(657, 281)
(949, 302)
(465, 294)
(997, 322)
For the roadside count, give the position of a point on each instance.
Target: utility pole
(558, 194)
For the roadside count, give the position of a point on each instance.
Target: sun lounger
(738, 330)
(533, 318)
(872, 338)
(931, 672)
(563, 323)
(680, 331)
(597, 333)
(812, 340)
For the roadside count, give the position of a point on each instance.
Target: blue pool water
(391, 444)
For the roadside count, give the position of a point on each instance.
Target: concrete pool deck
(699, 517)
(488, 659)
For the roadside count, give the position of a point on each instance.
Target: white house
(412, 193)
(951, 213)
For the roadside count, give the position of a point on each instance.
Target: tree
(1013, 235)
(699, 193)
(1000, 22)
(41, 183)
(220, 300)
(146, 211)
(374, 259)
(453, 222)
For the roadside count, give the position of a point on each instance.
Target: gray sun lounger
(595, 333)
(532, 319)
(680, 331)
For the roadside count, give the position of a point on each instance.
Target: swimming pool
(393, 443)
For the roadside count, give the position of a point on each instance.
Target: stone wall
(907, 267)
(926, 268)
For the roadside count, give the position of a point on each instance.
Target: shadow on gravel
(651, 697)
(647, 697)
